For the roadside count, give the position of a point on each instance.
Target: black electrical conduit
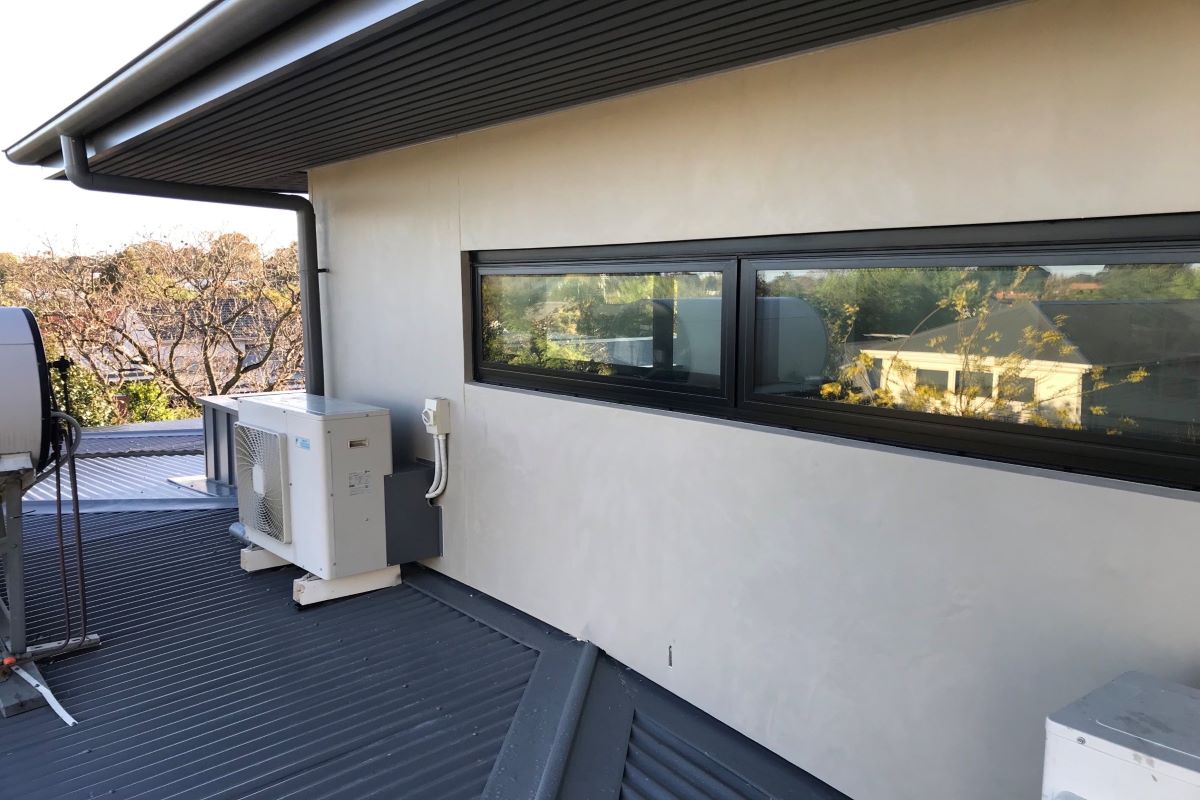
(78, 172)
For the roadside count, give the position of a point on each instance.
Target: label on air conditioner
(303, 443)
(360, 482)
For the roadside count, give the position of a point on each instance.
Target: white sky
(50, 54)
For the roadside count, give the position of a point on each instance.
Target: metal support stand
(16, 695)
(11, 537)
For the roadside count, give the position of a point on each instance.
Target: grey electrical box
(414, 527)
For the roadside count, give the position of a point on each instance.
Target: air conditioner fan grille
(262, 481)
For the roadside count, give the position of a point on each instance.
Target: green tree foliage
(886, 327)
(145, 401)
(1128, 282)
(564, 321)
(895, 300)
(88, 398)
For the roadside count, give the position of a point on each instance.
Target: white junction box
(310, 475)
(1137, 738)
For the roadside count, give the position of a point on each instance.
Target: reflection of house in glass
(1106, 365)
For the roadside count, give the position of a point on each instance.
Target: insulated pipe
(75, 164)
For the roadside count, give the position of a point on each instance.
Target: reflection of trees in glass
(583, 321)
(1129, 282)
(992, 342)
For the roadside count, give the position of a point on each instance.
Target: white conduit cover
(441, 459)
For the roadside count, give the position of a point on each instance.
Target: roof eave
(215, 32)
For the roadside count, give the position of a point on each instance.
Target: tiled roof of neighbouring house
(1095, 332)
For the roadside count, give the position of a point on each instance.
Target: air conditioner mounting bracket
(310, 589)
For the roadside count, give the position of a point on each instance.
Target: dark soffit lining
(468, 64)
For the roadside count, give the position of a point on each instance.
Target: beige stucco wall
(898, 624)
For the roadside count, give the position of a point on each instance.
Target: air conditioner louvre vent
(262, 481)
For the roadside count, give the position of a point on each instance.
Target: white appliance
(1137, 738)
(310, 473)
(28, 425)
(24, 388)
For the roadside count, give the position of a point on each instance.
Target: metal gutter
(75, 162)
(280, 48)
(215, 32)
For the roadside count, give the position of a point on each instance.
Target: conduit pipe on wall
(436, 417)
(441, 468)
(78, 172)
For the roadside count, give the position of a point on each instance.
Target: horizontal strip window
(1079, 350)
(663, 331)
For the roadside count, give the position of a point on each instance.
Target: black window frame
(1161, 238)
(619, 388)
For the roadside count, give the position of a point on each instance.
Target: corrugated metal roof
(637, 741)
(662, 766)
(210, 683)
(126, 478)
(447, 67)
(189, 425)
(96, 445)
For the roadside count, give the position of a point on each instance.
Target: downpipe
(79, 173)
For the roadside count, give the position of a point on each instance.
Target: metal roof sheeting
(637, 741)
(209, 683)
(144, 477)
(443, 68)
(111, 445)
(662, 766)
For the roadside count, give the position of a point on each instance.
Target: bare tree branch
(212, 316)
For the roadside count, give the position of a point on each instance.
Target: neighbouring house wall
(896, 623)
(1058, 387)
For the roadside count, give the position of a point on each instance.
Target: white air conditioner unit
(1137, 738)
(310, 474)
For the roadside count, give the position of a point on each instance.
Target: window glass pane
(932, 379)
(1014, 388)
(973, 383)
(1110, 348)
(661, 326)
